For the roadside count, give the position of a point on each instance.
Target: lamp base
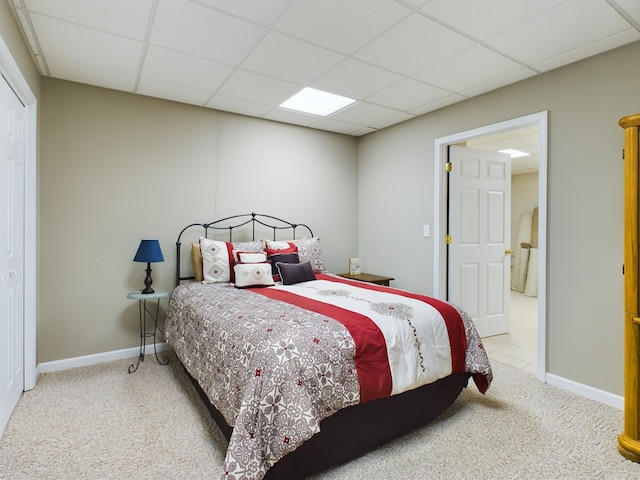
(148, 281)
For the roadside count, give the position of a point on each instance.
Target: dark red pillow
(272, 251)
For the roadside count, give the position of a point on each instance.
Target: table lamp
(149, 251)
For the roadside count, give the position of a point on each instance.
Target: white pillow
(215, 261)
(253, 274)
(250, 257)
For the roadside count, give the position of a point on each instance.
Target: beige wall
(116, 168)
(585, 178)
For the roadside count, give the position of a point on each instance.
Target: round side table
(143, 311)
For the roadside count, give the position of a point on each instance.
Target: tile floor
(517, 348)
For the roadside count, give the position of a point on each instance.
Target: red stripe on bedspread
(455, 325)
(372, 363)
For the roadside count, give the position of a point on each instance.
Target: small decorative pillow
(284, 258)
(217, 258)
(273, 247)
(309, 249)
(250, 257)
(292, 273)
(253, 274)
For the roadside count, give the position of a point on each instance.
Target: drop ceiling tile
(98, 77)
(257, 88)
(387, 122)
(363, 131)
(435, 105)
(631, 10)
(288, 116)
(487, 18)
(364, 113)
(416, 3)
(290, 59)
(169, 66)
(74, 43)
(342, 26)
(122, 17)
(406, 94)
(203, 32)
(257, 11)
(356, 79)
(498, 82)
(169, 91)
(471, 67)
(608, 43)
(413, 45)
(236, 105)
(568, 26)
(332, 125)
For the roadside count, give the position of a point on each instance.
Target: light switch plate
(426, 231)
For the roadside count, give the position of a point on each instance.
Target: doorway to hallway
(518, 342)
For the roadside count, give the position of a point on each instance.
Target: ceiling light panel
(316, 102)
(515, 153)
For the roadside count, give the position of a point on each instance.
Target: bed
(300, 368)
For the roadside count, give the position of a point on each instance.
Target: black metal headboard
(229, 224)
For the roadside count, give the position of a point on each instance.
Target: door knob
(13, 273)
(508, 252)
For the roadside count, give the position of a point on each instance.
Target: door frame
(440, 211)
(11, 72)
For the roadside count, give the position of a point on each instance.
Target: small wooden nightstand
(368, 277)
(143, 311)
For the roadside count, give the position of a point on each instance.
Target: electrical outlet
(426, 231)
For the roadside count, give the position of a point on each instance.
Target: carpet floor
(99, 422)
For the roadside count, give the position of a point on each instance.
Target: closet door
(12, 154)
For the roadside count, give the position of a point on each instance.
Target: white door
(479, 256)
(12, 154)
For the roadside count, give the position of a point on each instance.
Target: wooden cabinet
(629, 439)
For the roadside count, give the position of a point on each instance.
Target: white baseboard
(99, 358)
(586, 391)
